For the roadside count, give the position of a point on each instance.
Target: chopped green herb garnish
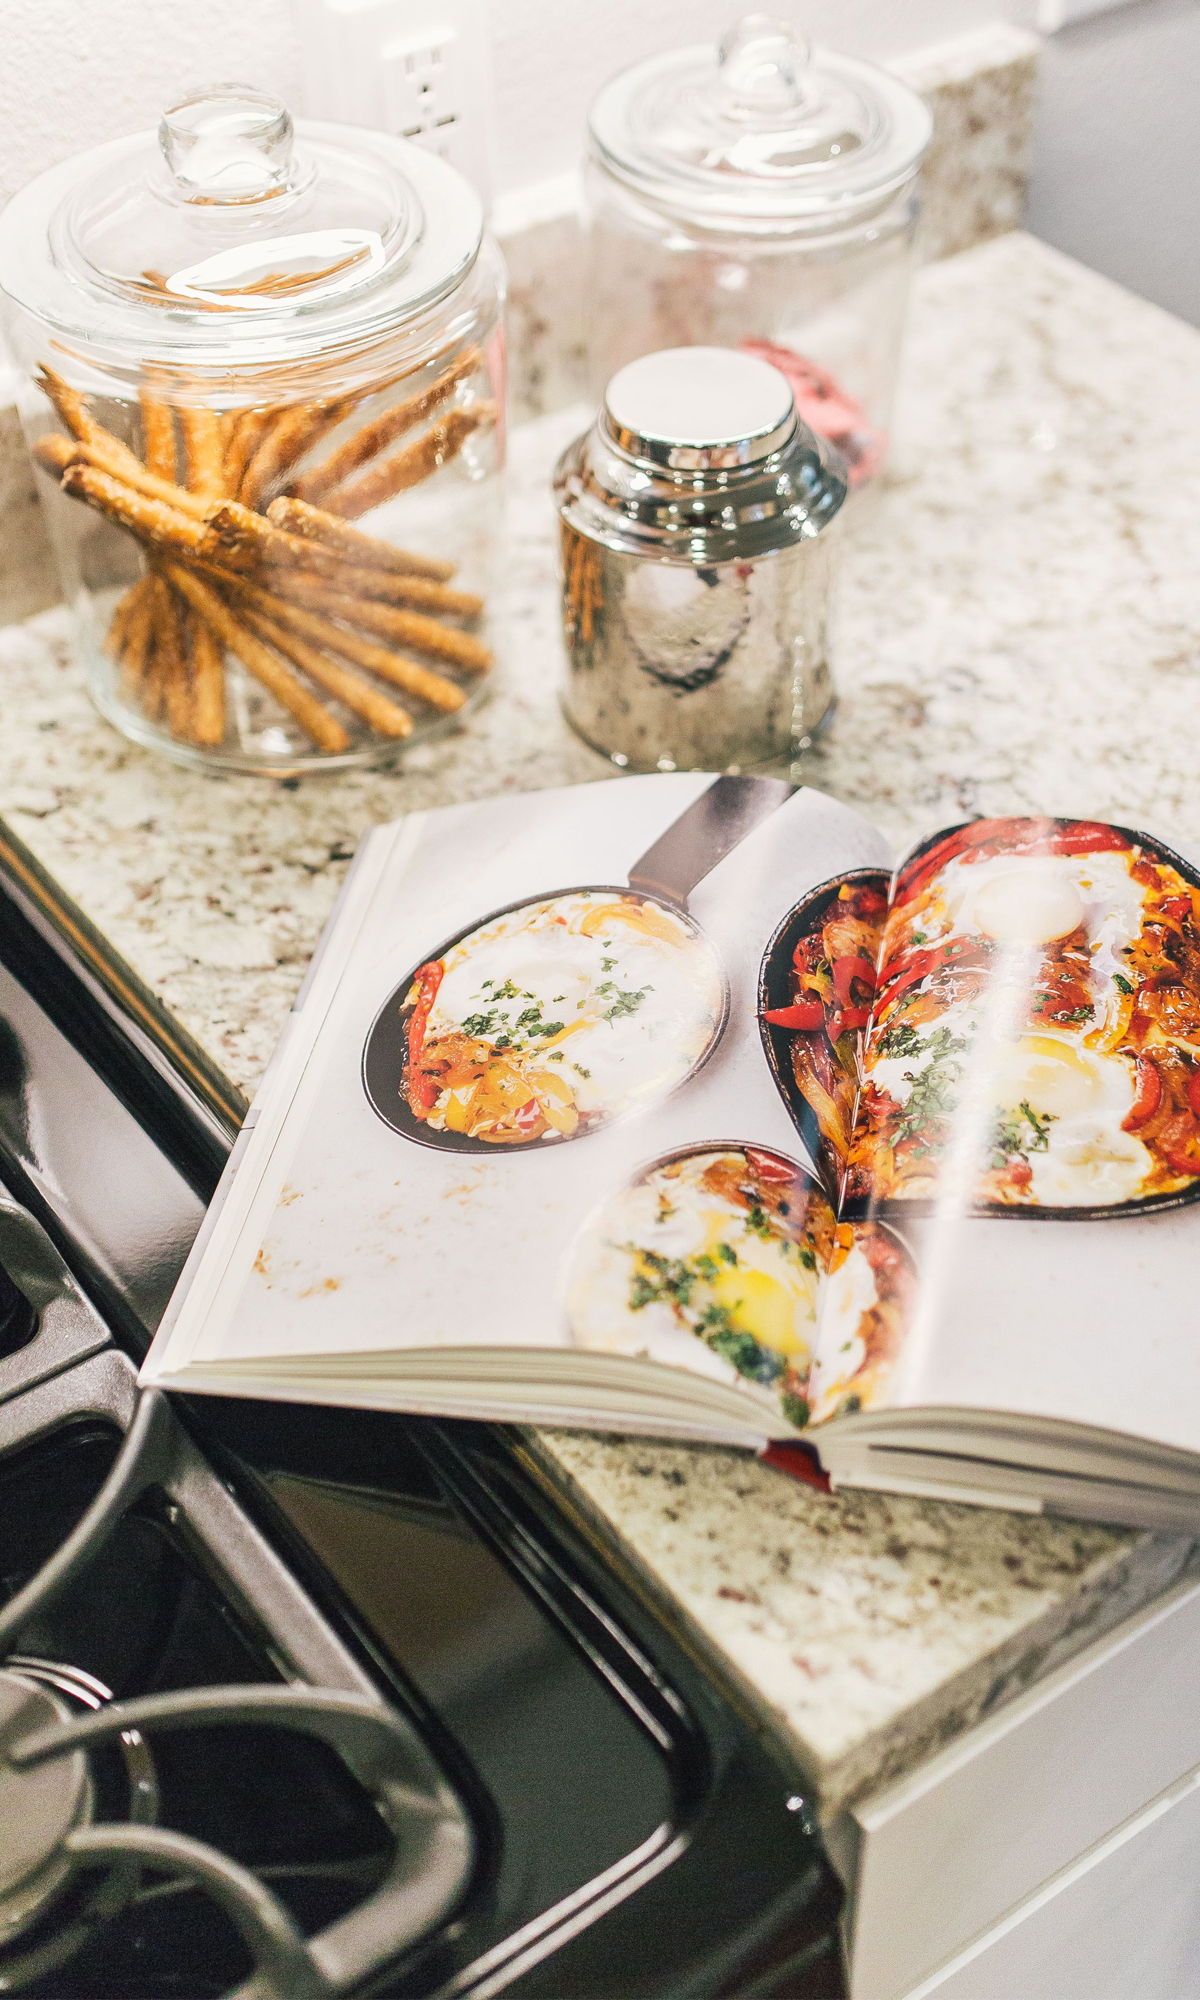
(900, 1039)
(1019, 1133)
(625, 1003)
(932, 1096)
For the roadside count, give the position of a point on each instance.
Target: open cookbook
(678, 1105)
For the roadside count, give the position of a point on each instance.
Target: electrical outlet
(418, 68)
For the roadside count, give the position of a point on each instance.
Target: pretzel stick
(208, 682)
(54, 452)
(259, 660)
(76, 416)
(408, 628)
(251, 538)
(378, 585)
(386, 717)
(158, 436)
(114, 638)
(383, 430)
(138, 638)
(247, 539)
(442, 442)
(124, 621)
(298, 518)
(204, 445)
(170, 660)
(150, 520)
(105, 454)
(289, 434)
(244, 441)
(387, 666)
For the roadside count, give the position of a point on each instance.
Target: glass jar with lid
(762, 194)
(265, 396)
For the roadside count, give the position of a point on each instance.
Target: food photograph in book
(729, 1261)
(1032, 1039)
(546, 1021)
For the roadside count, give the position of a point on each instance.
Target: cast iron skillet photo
(825, 1137)
(718, 1245)
(640, 1038)
(1080, 1075)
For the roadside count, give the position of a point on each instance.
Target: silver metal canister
(696, 566)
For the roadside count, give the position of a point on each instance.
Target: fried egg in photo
(591, 1003)
(676, 1269)
(1035, 1109)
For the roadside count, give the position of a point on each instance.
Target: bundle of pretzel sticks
(245, 556)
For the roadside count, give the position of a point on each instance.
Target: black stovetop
(546, 1795)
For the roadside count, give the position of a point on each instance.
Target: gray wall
(1116, 156)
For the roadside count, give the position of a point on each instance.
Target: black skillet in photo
(548, 1018)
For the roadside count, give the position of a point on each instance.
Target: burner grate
(259, 1774)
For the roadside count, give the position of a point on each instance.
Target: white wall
(550, 56)
(1116, 156)
(75, 72)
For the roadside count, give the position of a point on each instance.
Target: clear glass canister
(760, 194)
(265, 398)
(697, 566)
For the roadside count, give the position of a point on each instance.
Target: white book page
(345, 1236)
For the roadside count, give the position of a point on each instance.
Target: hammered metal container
(697, 567)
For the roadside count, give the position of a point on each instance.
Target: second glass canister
(761, 194)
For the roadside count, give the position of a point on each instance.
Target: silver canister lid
(698, 457)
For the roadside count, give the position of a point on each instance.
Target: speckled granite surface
(1020, 630)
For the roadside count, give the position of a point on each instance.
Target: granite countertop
(1020, 630)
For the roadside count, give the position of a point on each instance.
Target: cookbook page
(1028, 1124)
(539, 1111)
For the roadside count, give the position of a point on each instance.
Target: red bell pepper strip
(1178, 907)
(1014, 836)
(803, 1014)
(422, 1090)
(1147, 1097)
(527, 1117)
(846, 1018)
(1182, 1162)
(774, 1172)
(847, 969)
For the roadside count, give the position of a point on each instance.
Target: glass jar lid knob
(228, 143)
(760, 67)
